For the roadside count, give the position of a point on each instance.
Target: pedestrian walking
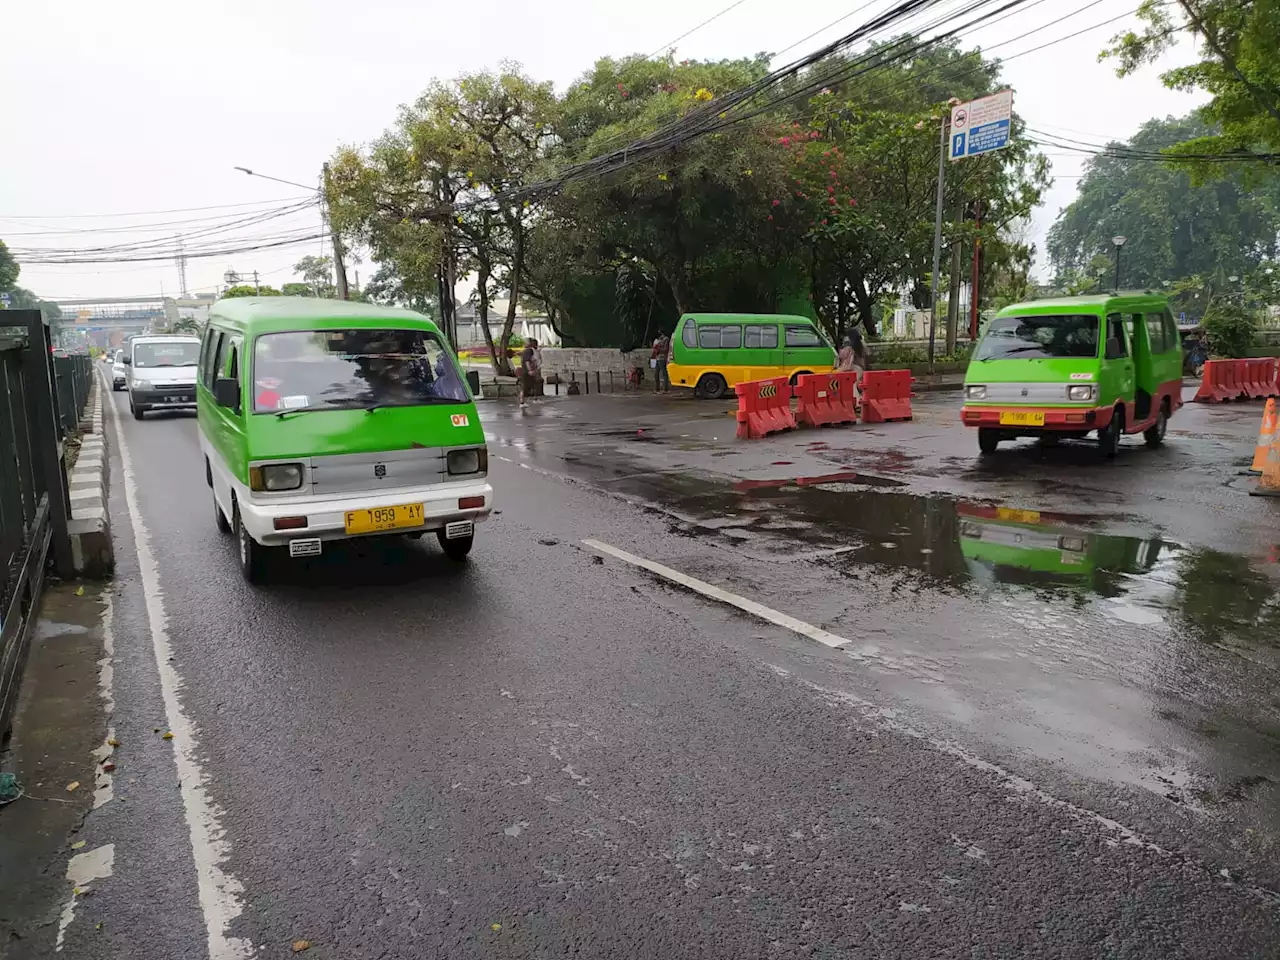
(528, 377)
(658, 361)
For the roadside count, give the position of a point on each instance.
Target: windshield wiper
(280, 414)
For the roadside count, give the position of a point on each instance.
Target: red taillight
(470, 503)
(290, 523)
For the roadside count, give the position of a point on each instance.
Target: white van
(162, 373)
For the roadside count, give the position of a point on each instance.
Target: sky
(118, 113)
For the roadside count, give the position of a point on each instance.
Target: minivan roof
(1090, 302)
(749, 317)
(278, 314)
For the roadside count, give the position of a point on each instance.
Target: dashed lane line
(219, 892)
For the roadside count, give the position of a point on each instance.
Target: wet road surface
(1038, 726)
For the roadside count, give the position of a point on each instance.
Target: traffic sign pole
(937, 239)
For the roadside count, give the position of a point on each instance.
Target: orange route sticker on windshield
(460, 420)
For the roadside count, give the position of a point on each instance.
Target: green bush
(1230, 329)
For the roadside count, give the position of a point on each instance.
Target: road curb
(90, 525)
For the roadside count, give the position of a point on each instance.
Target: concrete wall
(566, 360)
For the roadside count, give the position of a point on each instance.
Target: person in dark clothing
(526, 381)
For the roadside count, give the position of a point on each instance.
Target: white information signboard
(981, 125)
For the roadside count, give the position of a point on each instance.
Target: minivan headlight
(474, 460)
(976, 392)
(142, 384)
(1080, 392)
(276, 476)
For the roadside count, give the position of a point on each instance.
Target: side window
(1171, 336)
(762, 336)
(803, 337)
(730, 337)
(220, 358)
(1115, 332)
(1156, 333)
(690, 333)
(709, 337)
(207, 354)
(233, 363)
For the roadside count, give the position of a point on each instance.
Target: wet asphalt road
(547, 752)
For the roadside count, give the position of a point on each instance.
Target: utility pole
(937, 236)
(182, 265)
(257, 289)
(339, 263)
(977, 265)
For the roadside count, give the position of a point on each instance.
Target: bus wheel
(988, 439)
(711, 386)
(1109, 436)
(1155, 435)
(795, 377)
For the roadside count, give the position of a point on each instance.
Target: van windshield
(176, 353)
(353, 369)
(1040, 337)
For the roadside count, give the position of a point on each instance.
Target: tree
(1239, 70)
(9, 269)
(249, 290)
(317, 278)
(22, 299)
(1174, 229)
(1230, 328)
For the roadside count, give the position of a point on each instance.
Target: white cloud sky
(144, 105)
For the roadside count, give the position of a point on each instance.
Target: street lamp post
(1119, 242)
(339, 264)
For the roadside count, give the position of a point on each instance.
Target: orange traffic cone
(1269, 482)
(1265, 437)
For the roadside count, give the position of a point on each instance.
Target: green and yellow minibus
(714, 352)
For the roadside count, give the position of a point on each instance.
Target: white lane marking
(783, 620)
(219, 892)
(82, 870)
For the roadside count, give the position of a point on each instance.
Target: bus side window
(689, 335)
(1116, 346)
(1156, 333)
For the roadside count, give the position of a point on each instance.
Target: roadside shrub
(1230, 329)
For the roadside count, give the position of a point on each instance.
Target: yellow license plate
(1018, 516)
(1022, 418)
(378, 519)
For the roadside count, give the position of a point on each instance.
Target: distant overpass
(104, 321)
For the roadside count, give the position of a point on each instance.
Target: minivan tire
(456, 549)
(251, 554)
(1155, 434)
(219, 518)
(711, 386)
(136, 410)
(795, 377)
(988, 439)
(1109, 436)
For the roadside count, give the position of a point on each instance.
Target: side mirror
(226, 393)
(128, 361)
(1114, 350)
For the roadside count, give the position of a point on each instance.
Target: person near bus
(658, 360)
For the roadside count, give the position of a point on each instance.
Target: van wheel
(219, 518)
(711, 386)
(251, 554)
(795, 377)
(1109, 436)
(988, 439)
(1155, 434)
(456, 549)
(136, 410)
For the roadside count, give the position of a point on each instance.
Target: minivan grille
(366, 472)
(1026, 392)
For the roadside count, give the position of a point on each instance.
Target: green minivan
(323, 420)
(714, 352)
(1109, 363)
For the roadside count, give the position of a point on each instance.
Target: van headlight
(474, 460)
(275, 477)
(1080, 392)
(142, 384)
(976, 392)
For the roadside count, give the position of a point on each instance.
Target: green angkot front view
(323, 420)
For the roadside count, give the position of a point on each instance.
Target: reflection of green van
(323, 420)
(1110, 363)
(713, 352)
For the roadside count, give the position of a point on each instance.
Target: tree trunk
(446, 280)
(842, 312)
(482, 312)
(953, 300)
(517, 265)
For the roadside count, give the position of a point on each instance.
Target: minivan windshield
(353, 369)
(1040, 337)
(170, 353)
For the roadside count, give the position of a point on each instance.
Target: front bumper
(1056, 419)
(326, 517)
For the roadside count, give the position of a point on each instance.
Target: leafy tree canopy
(249, 290)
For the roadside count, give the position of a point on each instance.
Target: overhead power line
(693, 30)
(147, 213)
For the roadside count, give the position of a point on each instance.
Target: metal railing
(34, 504)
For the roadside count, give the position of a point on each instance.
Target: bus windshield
(1040, 337)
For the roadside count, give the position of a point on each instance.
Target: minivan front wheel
(711, 386)
(988, 439)
(219, 518)
(1109, 436)
(251, 554)
(457, 548)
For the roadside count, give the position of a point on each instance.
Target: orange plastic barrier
(1218, 382)
(764, 407)
(1254, 377)
(825, 398)
(886, 395)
